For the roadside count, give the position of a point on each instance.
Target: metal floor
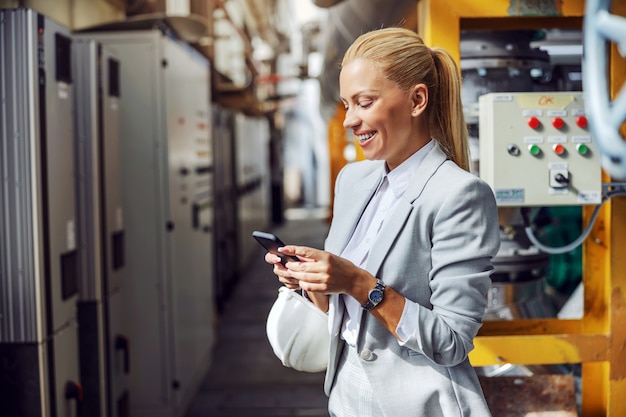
(246, 379)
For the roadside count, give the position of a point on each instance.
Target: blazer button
(367, 355)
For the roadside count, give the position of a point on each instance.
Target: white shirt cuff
(408, 322)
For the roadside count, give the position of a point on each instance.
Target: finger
(303, 252)
(289, 282)
(313, 287)
(270, 258)
(293, 287)
(281, 271)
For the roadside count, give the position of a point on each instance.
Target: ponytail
(445, 113)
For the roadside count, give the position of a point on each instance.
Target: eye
(365, 103)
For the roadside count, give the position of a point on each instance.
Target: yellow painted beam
(539, 350)
(616, 404)
(605, 285)
(595, 382)
(530, 327)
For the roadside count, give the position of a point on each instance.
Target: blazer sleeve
(464, 236)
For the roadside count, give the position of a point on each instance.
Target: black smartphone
(271, 243)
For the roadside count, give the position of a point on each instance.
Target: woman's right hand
(281, 272)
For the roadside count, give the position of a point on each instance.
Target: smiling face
(381, 115)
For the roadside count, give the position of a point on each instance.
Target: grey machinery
(39, 369)
(102, 308)
(167, 168)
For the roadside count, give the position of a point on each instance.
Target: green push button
(582, 149)
(534, 150)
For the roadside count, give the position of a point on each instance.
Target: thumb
(303, 252)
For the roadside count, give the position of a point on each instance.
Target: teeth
(365, 136)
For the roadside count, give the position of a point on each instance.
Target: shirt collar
(400, 177)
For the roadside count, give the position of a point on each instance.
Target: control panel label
(510, 196)
(545, 101)
(589, 197)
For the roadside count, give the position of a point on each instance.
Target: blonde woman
(407, 261)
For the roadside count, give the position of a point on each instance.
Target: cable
(578, 241)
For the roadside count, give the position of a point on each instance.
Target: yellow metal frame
(598, 339)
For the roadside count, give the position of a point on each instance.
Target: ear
(419, 99)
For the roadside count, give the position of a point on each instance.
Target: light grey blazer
(436, 251)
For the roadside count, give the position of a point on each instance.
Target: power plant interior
(143, 141)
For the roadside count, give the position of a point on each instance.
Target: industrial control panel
(536, 149)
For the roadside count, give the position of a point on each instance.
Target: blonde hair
(403, 57)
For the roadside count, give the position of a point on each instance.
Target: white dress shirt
(384, 201)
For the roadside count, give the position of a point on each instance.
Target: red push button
(557, 122)
(533, 122)
(581, 121)
(558, 149)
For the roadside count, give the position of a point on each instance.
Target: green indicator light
(582, 149)
(534, 150)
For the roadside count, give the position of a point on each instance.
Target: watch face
(376, 296)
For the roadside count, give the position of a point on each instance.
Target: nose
(350, 120)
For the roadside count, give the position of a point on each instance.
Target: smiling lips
(365, 136)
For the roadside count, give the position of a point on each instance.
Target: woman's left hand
(283, 274)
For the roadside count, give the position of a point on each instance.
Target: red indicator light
(558, 149)
(557, 122)
(581, 121)
(533, 122)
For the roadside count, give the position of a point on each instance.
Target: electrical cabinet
(167, 204)
(252, 179)
(39, 369)
(226, 208)
(102, 308)
(536, 149)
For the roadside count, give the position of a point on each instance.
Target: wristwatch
(375, 296)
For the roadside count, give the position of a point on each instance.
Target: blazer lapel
(355, 199)
(425, 171)
(393, 224)
(392, 227)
